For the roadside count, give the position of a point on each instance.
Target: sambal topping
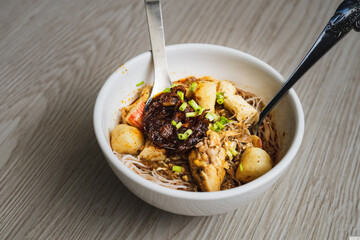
(170, 122)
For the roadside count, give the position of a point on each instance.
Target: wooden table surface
(54, 180)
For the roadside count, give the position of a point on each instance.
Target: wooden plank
(55, 183)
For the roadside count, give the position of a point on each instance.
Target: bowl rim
(270, 176)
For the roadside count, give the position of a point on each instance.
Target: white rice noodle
(268, 133)
(267, 130)
(144, 171)
(255, 102)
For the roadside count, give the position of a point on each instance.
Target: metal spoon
(156, 30)
(346, 18)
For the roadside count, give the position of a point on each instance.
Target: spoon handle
(157, 40)
(346, 18)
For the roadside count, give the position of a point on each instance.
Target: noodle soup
(195, 136)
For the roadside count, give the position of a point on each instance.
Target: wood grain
(54, 181)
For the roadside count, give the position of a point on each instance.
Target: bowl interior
(199, 60)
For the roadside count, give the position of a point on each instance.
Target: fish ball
(255, 162)
(126, 139)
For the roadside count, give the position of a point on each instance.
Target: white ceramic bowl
(248, 72)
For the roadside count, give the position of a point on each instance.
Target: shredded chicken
(207, 163)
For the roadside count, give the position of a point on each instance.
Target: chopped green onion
(183, 106)
(215, 128)
(167, 90)
(200, 110)
(185, 135)
(188, 132)
(211, 116)
(193, 87)
(220, 97)
(233, 152)
(178, 125)
(223, 120)
(219, 125)
(241, 168)
(228, 153)
(174, 85)
(182, 136)
(191, 114)
(180, 94)
(194, 105)
(177, 168)
(140, 83)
